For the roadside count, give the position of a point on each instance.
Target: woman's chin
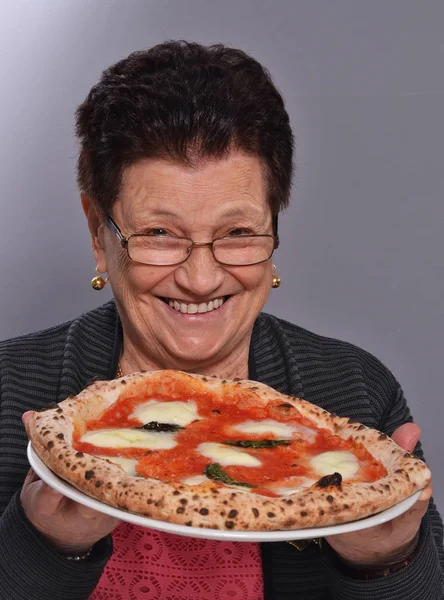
(193, 354)
(195, 339)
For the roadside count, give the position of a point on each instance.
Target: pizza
(206, 452)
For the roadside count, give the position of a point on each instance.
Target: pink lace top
(152, 565)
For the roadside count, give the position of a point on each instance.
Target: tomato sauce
(221, 411)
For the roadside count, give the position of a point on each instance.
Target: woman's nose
(201, 275)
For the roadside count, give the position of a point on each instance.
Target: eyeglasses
(168, 250)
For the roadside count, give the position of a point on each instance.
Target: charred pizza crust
(210, 504)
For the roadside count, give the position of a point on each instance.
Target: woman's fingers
(30, 477)
(36, 492)
(426, 494)
(46, 497)
(26, 418)
(87, 513)
(407, 436)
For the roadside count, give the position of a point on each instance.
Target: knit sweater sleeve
(31, 370)
(423, 578)
(31, 568)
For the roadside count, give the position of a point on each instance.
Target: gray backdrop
(362, 252)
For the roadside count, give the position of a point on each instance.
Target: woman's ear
(96, 228)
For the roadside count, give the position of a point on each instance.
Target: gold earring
(97, 282)
(276, 280)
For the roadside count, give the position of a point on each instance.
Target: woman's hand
(392, 542)
(68, 526)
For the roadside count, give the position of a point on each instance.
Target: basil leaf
(258, 443)
(155, 426)
(215, 471)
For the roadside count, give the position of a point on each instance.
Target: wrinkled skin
(216, 198)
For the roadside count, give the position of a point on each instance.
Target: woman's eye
(239, 231)
(158, 231)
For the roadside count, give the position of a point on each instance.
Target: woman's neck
(135, 358)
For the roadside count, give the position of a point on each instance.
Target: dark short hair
(185, 102)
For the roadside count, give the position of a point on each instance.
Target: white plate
(213, 534)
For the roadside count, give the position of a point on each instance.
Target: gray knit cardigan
(48, 366)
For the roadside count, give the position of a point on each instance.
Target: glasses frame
(124, 242)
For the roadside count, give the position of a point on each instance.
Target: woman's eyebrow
(239, 212)
(160, 212)
(140, 221)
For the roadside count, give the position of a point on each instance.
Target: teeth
(192, 308)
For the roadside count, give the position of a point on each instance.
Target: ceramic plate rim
(73, 493)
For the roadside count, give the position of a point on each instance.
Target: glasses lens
(157, 250)
(243, 250)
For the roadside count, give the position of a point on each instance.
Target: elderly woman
(185, 163)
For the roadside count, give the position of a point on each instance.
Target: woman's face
(202, 203)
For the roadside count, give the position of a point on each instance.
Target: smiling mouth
(191, 308)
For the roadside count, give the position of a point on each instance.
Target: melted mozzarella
(240, 488)
(299, 484)
(176, 413)
(341, 462)
(127, 464)
(195, 480)
(129, 438)
(226, 456)
(276, 428)
(266, 426)
(300, 431)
